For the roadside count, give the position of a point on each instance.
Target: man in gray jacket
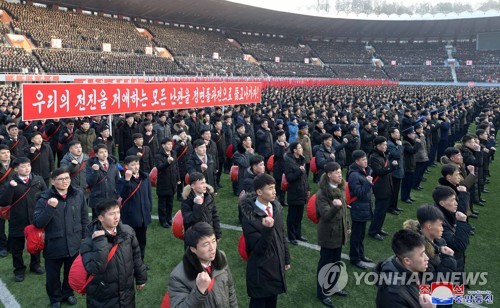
(203, 278)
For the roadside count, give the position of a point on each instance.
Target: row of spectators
(10, 95)
(78, 61)
(15, 60)
(344, 53)
(268, 48)
(358, 71)
(77, 31)
(411, 53)
(219, 67)
(292, 69)
(419, 73)
(478, 73)
(193, 42)
(467, 51)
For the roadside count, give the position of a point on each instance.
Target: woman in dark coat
(298, 191)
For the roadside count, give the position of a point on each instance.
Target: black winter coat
(323, 157)
(264, 142)
(382, 169)
(267, 249)
(361, 209)
(183, 153)
(42, 160)
(125, 139)
(279, 160)
(194, 165)
(21, 214)
(220, 141)
(136, 212)
(16, 147)
(64, 225)
(404, 294)
(410, 148)
(366, 140)
(298, 185)
(102, 184)
(206, 212)
(114, 281)
(109, 143)
(340, 154)
(147, 159)
(168, 173)
(352, 145)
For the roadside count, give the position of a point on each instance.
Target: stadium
(310, 61)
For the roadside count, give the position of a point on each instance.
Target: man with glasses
(61, 211)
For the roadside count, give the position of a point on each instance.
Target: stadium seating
(291, 69)
(14, 60)
(343, 53)
(222, 67)
(268, 48)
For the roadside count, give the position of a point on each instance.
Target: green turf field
(164, 251)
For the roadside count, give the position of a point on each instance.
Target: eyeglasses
(67, 179)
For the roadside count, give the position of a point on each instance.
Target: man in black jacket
(382, 186)
(143, 151)
(266, 245)
(219, 138)
(41, 156)
(21, 193)
(125, 133)
(402, 289)
(264, 140)
(167, 181)
(114, 280)
(6, 173)
(16, 142)
(101, 175)
(202, 162)
(62, 211)
(456, 230)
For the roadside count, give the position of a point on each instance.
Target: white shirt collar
(263, 206)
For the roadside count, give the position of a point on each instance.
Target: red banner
(49, 101)
(32, 78)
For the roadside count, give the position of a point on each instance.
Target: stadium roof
(229, 15)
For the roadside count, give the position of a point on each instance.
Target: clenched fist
(198, 200)
(128, 175)
(268, 222)
(13, 183)
(203, 281)
(95, 167)
(52, 202)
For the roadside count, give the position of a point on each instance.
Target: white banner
(56, 43)
(393, 62)
(215, 55)
(106, 47)
(428, 62)
(306, 60)
(246, 57)
(277, 59)
(148, 50)
(469, 62)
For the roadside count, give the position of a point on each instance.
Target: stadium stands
(467, 51)
(221, 67)
(478, 73)
(268, 48)
(89, 62)
(343, 53)
(193, 42)
(411, 53)
(358, 71)
(419, 73)
(14, 60)
(292, 69)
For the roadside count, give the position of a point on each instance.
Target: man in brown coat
(333, 227)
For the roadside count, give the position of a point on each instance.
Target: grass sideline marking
(7, 299)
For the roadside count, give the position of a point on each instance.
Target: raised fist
(369, 179)
(52, 202)
(198, 200)
(74, 162)
(170, 159)
(95, 167)
(268, 222)
(128, 175)
(139, 154)
(13, 183)
(203, 281)
(461, 216)
(32, 149)
(337, 203)
(204, 167)
(97, 233)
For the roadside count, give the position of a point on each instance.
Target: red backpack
(242, 248)
(35, 239)
(284, 183)
(270, 163)
(78, 276)
(348, 198)
(233, 173)
(313, 166)
(153, 176)
(178, 225)
(311, 210)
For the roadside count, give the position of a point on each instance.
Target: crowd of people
(418, 73)
(76, 30)
(66, 61)
(341, 52)
(486, 73)
(294, 69)
(387, 138)
(219, 67)
(411, 53)
(13, 60)
(180, 42)
(358, 71)
(468, 51)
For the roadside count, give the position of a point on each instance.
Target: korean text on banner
(49, 101)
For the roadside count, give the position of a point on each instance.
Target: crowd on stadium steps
(478, 73)
(89, 62)
(293, 69)
(358, 71)
(411, 53)
(267, 48)
(219, 67)
(15, 60)
(180, 42)
(387, 138)
(467, 51)
(418, 73)
(343, 53)
(76, 31)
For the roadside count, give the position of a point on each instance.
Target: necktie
(26, 180)
(205, 160)
(105, 166)
(209, 269)
(268, 210)
(63, 196)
